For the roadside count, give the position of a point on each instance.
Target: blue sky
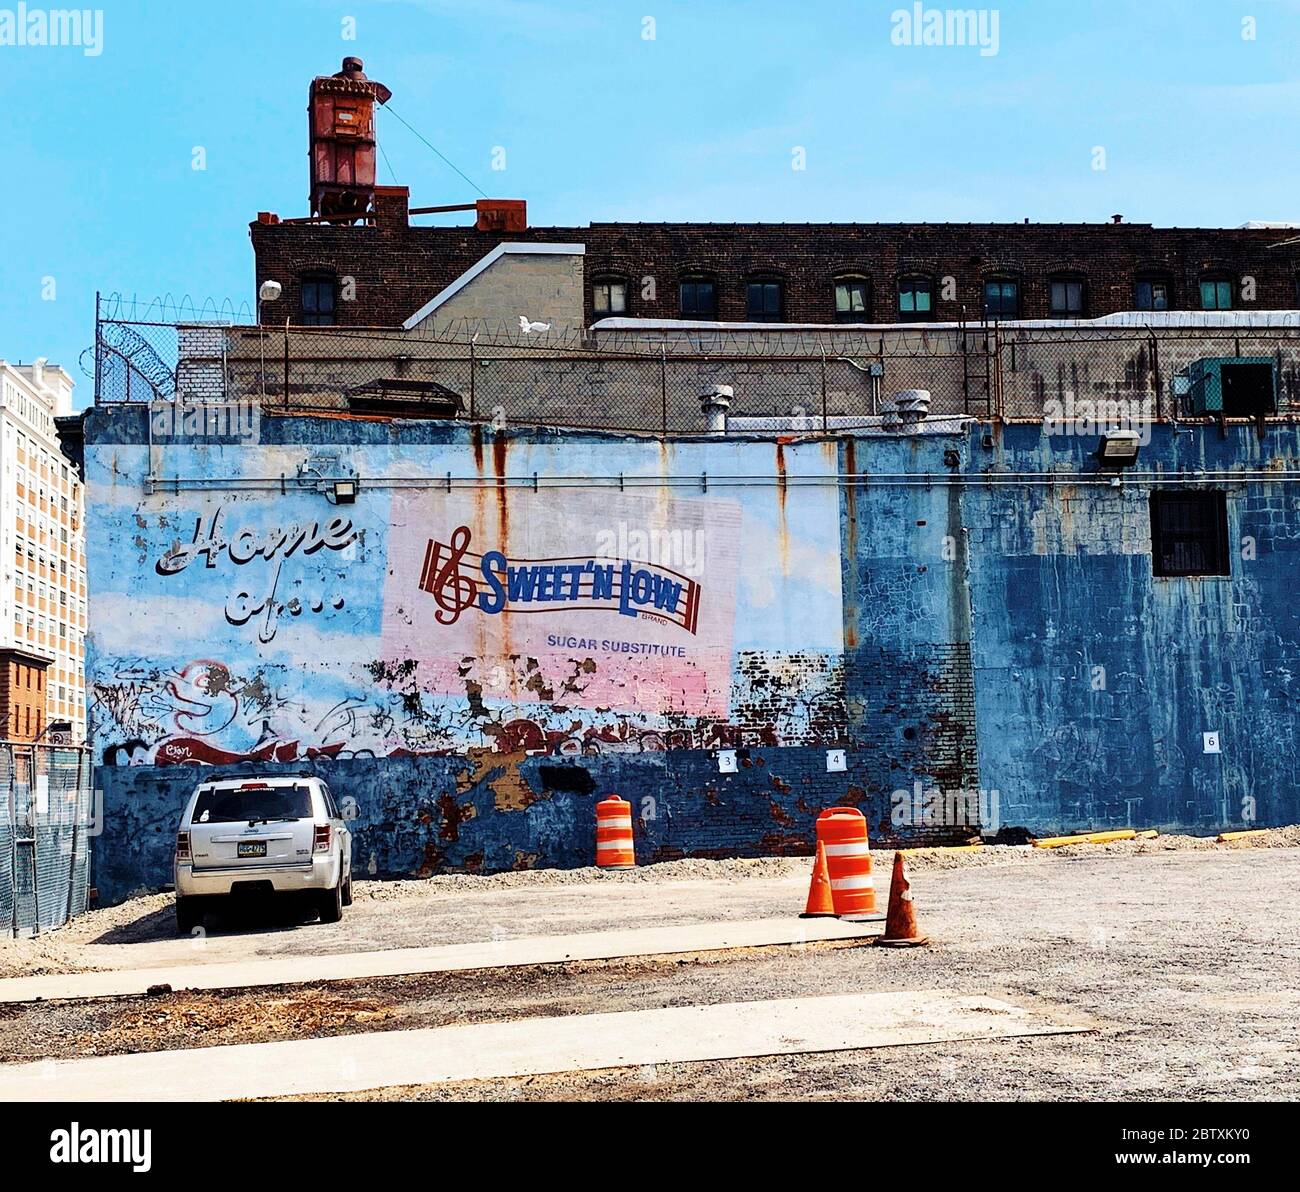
(599, 122)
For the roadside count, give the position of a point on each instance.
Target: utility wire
(384, 153)
(443, 156)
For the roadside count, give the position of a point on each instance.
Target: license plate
(252, 848)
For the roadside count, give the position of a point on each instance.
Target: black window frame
(317, 284)
(694, 311)
(767, 285)
(1067, 280)
(607, 282)
(1002, 281)
(1189, 533)
(1150, 280)
(851, 281)
(1216, 279)
(914, 284)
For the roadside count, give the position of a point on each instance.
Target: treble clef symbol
(453, 591)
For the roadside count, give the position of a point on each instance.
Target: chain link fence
(46, 806)
(652, 382)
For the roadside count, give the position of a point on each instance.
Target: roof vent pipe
(715, 402)
(912, 407)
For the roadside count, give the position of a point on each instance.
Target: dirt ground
(456, 908)
(1185, 949)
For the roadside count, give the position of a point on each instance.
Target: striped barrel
(614, 834)
(842, 831)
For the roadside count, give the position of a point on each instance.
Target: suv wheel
(346, 896)
(331, 904)
(189, 915)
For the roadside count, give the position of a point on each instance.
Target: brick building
(42, 557)
(382, 272)
(22, 694)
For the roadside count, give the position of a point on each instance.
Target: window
(699, 299)
(1189, 533)
(851, 300)
(1001, 299)
(763, 301)
(1151, 293)
(915, 299)
(318, 300)
(609, 297)
(1216, 293)
(1065, 296)
(224, 805)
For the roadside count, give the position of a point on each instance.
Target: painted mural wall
(502, 629)
(475, 595)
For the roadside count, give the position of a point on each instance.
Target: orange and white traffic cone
(820, 900)
(843, 830)
(614, 848)
(900, 923)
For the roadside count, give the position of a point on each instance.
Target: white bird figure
(525, 326)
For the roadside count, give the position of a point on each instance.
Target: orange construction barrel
(614, 834)
(842, 831)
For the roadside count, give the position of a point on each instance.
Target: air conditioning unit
(1232, 386)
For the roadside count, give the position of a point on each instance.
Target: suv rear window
(231, 805)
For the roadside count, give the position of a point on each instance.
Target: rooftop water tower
(341, 125)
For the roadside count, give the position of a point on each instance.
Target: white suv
(280, 833)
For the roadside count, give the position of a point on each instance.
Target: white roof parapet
(486, 262)
(1157, 320)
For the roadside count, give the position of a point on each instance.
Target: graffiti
(273, 546)
(493, 584)
(199, 712)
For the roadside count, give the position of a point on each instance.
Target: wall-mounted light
(269, 291)
(345, 492)
(1119, 448)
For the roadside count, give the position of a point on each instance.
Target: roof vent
(906, 410)
(715, 402)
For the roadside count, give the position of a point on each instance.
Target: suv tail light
(182, 846)
(321, 841)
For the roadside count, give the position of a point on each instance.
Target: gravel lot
(1187, 950)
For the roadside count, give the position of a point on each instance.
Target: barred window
(1189, 533)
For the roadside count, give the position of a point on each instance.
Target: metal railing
(46, 825)
(639, 382)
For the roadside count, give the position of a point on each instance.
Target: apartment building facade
(42, 560)
(384, 272)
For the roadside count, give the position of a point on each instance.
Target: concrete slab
(396, 962)
(532, 1046)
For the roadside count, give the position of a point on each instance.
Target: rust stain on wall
(782, 527)
(850, 541)
(500, 464)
